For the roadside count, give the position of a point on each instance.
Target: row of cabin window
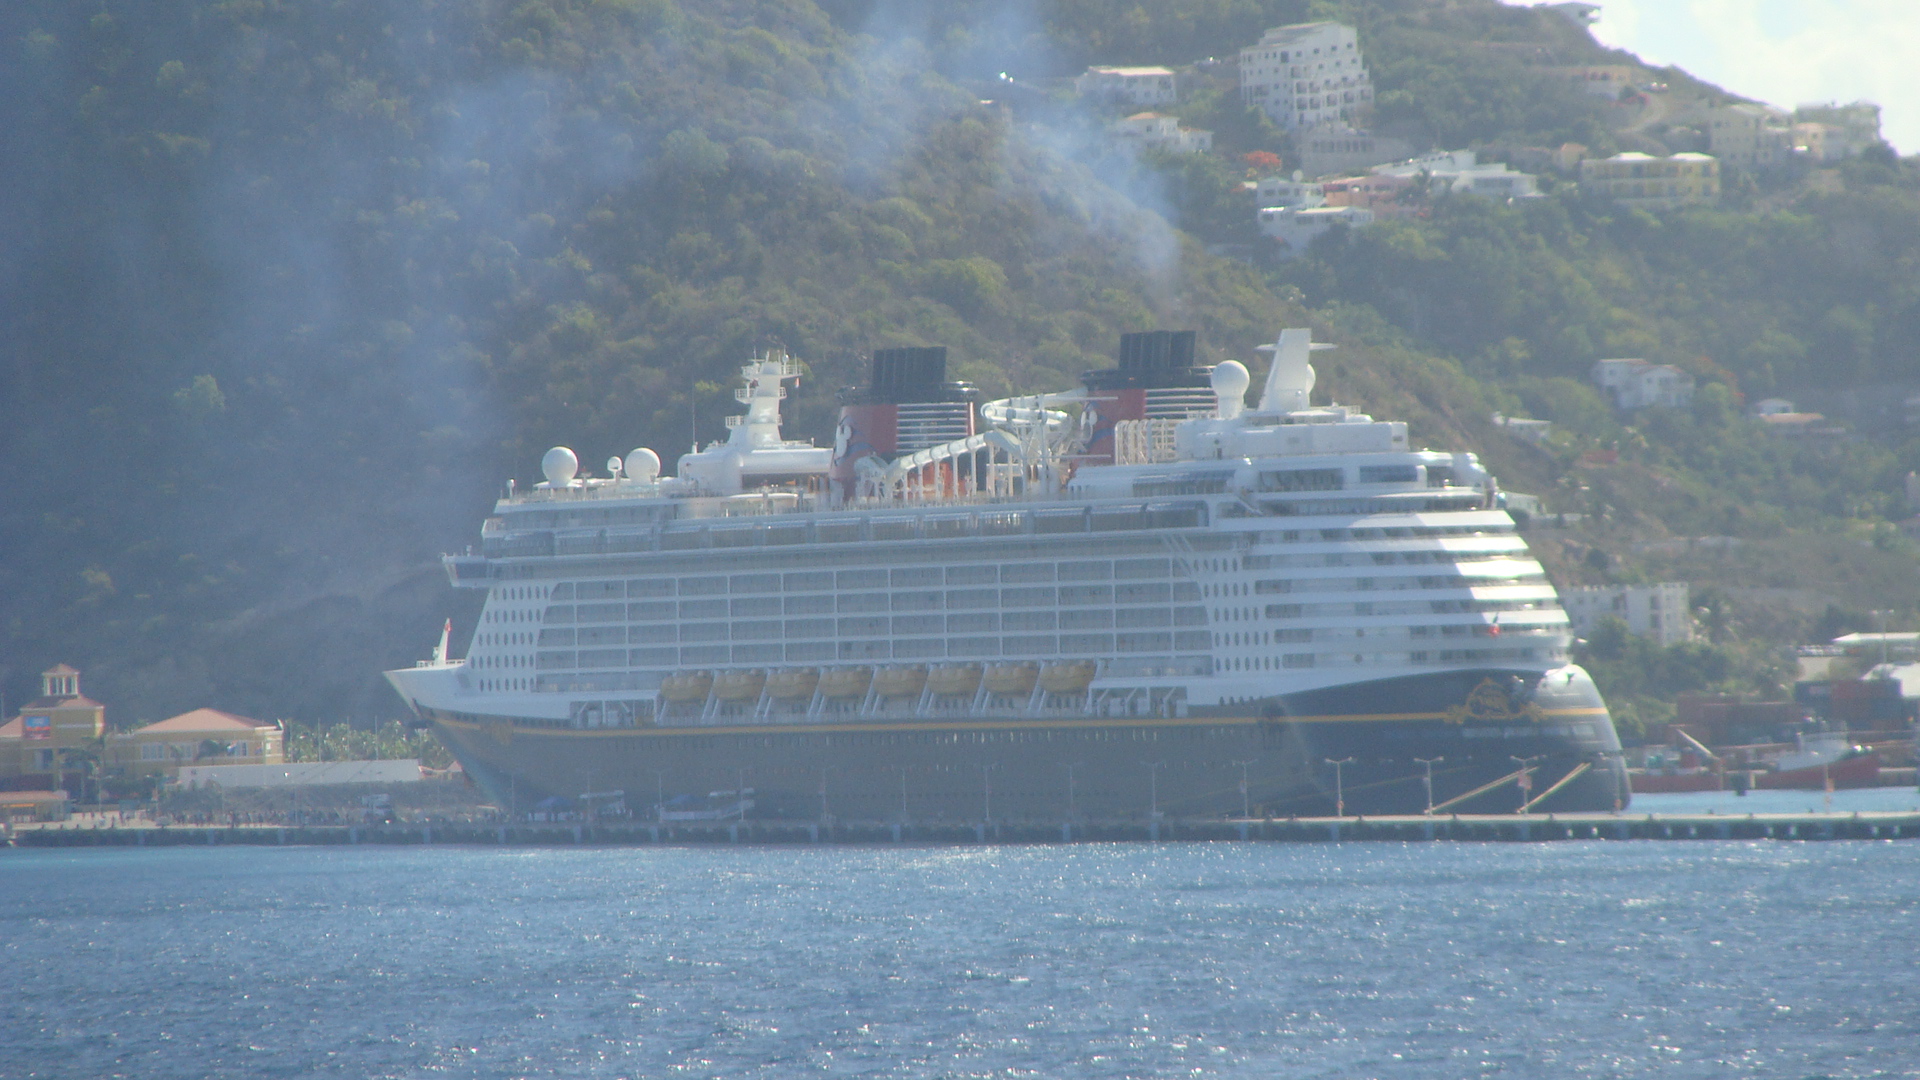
(875, 577)
(1295, 661)
(869, 578)
(875, 649)
(1417, 607)
(1045, 523)
(860, 626)
(988, 648)
(1398, 583)
(1357, 508)
(1385, 532)
(1233, 639)
(1388, 558)
(776, 531)
(901, 601)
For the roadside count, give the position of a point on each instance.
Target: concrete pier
(1506, 828)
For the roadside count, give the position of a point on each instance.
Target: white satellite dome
(1230, 381)
(643, 465)
(560, 466)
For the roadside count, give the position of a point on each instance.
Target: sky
(1785, 52)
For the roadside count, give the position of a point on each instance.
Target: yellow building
(1655, 183)
(45, 745)
(200, 737)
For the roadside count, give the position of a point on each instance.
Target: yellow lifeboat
(900, 681)
(737, 686)
(954, 679)
(684, 686)
(1068, 678)
(787, 684)
(843, 683)
(1012, 678)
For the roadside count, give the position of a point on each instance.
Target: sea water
(1568, 959)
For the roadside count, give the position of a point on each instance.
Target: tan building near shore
(39, 745)
(200, 737)
(22, 807)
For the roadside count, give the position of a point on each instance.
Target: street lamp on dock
(1428, 779)
(1339, 789)
(1525, 780)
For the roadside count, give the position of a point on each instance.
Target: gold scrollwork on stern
(1492, 703)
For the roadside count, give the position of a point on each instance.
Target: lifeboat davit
(1012, 678)
(954, 679)
(904, 681)
(683, 686)
(738, 686)
(842, 683)
(789, 684)
(1070, 678)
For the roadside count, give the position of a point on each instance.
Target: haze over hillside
(291, 289)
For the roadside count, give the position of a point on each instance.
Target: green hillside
(293, 287)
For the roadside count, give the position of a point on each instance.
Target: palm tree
(88, 756)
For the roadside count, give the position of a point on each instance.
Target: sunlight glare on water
(1603, 959)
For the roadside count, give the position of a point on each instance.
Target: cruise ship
(1134, 599)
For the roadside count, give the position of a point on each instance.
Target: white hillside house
(1306, 75)
(1295, 229)
(1661, 613)
(1461, 171)
(1146, 87)
(1164, 132)
(1293, 192)
(1636, 384)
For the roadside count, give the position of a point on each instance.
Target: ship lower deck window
(1302, 480)
(1389, 474)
